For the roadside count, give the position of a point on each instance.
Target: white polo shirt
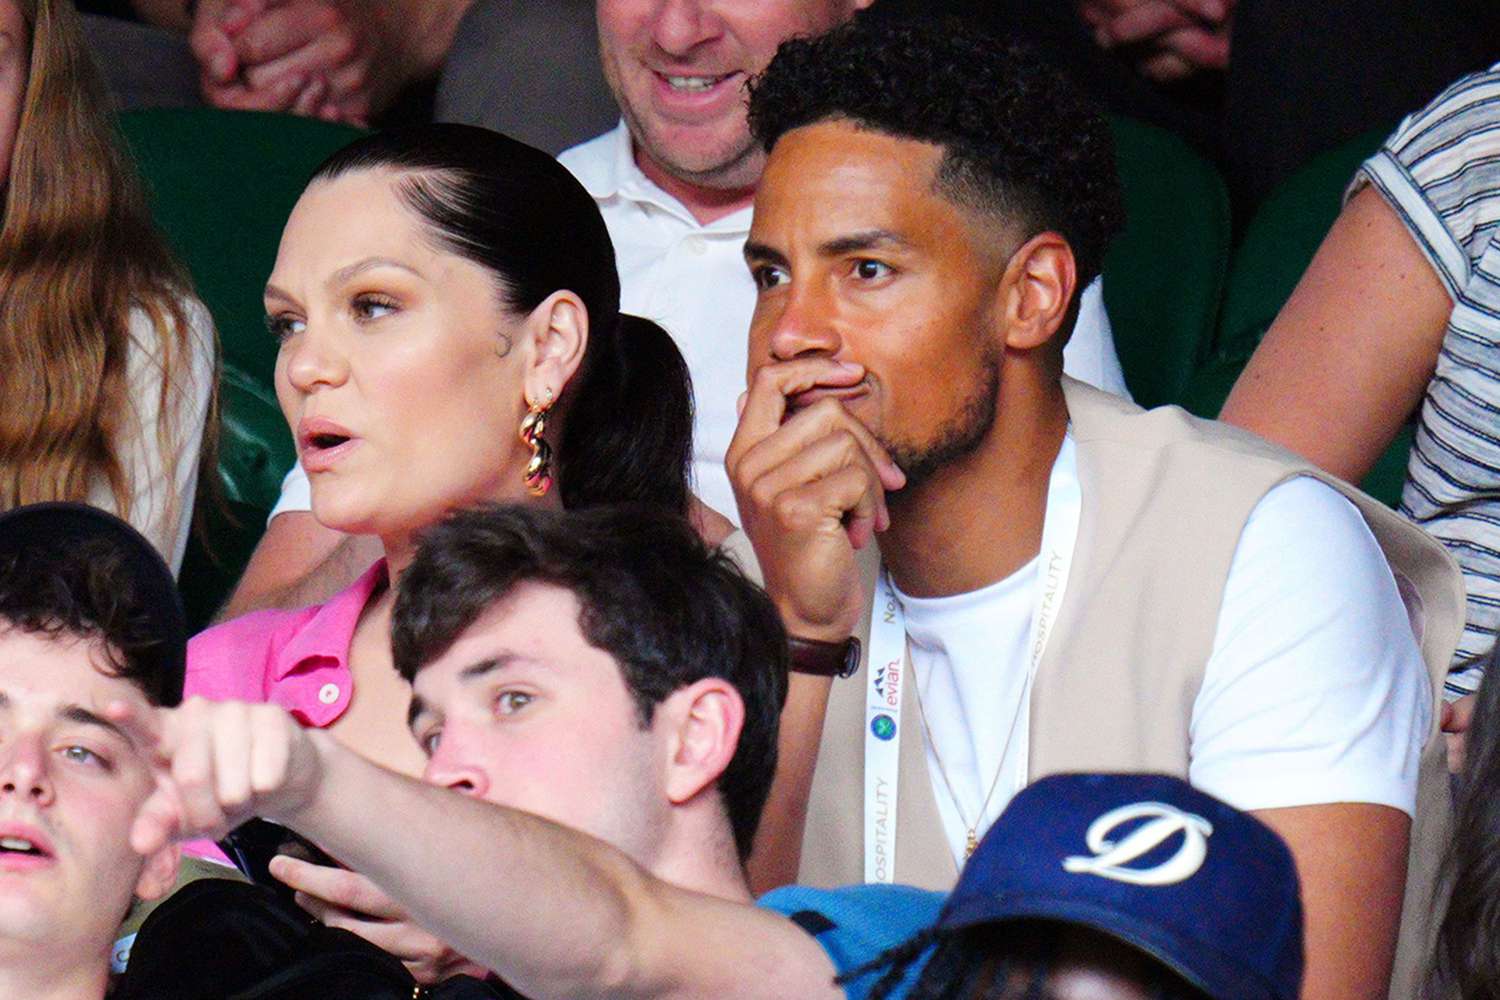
(691, 279)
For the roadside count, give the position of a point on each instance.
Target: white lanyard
(887, 666)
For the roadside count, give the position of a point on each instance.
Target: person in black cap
(89, 619)
(1132, 887)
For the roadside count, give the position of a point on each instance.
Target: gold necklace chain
(971, 839)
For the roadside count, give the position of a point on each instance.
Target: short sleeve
(858, 924)
(296, 494)
(1440, 172)
(1315, 691)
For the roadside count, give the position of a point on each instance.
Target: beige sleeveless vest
(1165, 496)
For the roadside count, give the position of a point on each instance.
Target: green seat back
(1281, 239)
(1279, 243)
(1163, 275)
(222, 184)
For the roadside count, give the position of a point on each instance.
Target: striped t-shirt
(1441, 173)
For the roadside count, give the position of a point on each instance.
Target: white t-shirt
(692, 280)
(161, 506)
(1315, 691)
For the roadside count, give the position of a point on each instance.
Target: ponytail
(628, 427)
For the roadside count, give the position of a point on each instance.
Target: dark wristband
(824, 659)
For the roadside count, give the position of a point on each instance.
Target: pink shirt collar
(328, 634)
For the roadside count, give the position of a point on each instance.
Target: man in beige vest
(1066, 583)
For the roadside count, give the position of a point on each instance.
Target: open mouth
(323, 441)
(693, 84)
(10, 846)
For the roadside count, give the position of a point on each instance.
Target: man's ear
(706, 717)
(158, 873)
(557, 334)
(1037, 290)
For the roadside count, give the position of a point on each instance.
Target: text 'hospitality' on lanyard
(887, 666)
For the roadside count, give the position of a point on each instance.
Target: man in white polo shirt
(675, 181)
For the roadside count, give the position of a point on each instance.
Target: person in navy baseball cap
(1125, 886)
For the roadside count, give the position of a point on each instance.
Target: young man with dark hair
(89, 617)
(603, 690)
(1064, 582)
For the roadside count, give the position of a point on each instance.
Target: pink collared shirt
(296, 659)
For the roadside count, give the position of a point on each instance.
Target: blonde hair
(78, 256)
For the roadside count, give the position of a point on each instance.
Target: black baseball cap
(35, 536)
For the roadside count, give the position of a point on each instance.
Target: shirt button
(328, 694)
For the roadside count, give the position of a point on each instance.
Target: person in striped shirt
(1399, 314)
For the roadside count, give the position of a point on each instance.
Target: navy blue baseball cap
(1207, 890)
(33, 536)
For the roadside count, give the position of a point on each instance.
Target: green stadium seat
(1278, 245)
(1164, 274)
(222, 184)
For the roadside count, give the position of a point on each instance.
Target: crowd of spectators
(723, 557)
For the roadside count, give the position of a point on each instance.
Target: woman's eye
(511, 702)
(869, 270)
(429, 741)
(283, 326)
(768, 276)
(369, 307)
(83, 755)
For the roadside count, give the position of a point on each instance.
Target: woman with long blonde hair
(107, 360)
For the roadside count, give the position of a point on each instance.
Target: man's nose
(804, 327)
(682, 25)
(23, 769)
(448, 768)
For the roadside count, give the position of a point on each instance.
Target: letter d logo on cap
(1111, 857)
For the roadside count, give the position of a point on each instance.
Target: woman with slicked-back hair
(448, 313)
(107, 361)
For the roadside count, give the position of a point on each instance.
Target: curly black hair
(1020, 141)
(92, 589)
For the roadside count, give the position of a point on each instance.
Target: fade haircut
(669, 610)
(1020, 143)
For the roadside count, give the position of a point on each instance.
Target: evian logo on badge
(1111, 858)
(888, 683)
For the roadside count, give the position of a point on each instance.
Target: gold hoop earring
(538, 475)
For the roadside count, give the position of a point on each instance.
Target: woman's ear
(1037, 291)
(557, 332)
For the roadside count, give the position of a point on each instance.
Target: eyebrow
(870, 239)
(346, 273)
(761, 252)
(359, 267)
(473, 671)
(81, 715)
(73, 712)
